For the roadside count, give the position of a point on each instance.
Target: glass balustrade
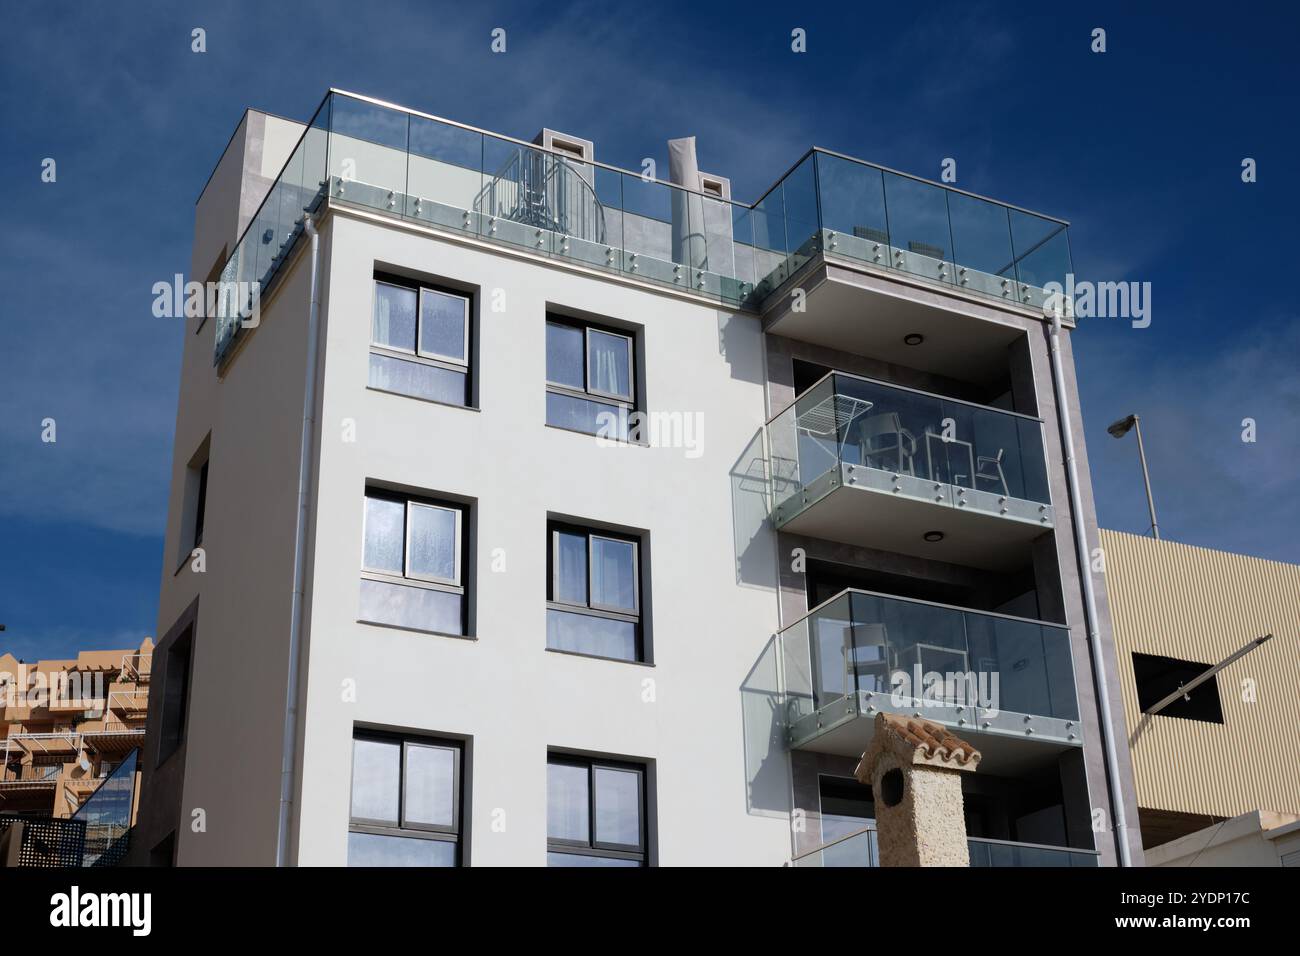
(496, 189)
(844, 419)
(370, 155)
(107, 815)
(861, 849)
(861, 641)
(1005, 853)
(856, 849)
(888, 219)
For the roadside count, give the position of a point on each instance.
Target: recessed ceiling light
(913, 338)
(933, 536)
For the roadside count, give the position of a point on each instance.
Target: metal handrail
(901, 388)
(72, 736)
(640, 175)
(134, 662)
(948, 607)
(506, 138)
(543, 197)
(44, 735)
(311, 124)
(1033, 846)
(128, 696)
(871, 827)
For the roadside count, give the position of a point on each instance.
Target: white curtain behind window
(383, 319)
(609, 365)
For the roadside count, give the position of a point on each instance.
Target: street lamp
(1118, 430)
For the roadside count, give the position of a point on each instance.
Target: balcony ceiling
(874, 519)
(1000, 755)
(867, 314)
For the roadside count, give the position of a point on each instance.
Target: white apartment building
(415, 611)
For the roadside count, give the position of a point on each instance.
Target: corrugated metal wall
(1196, 604)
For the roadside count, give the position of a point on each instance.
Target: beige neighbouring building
(1229, 750)
(1257, 838)
(66, 725)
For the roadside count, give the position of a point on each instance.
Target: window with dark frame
(590, 378)
(593, 593)
(413, 563)
(406, 800)
(420, 341)
(846, 806)
(1157, 677)
(595, 812)
(195, 504)
(175, 701)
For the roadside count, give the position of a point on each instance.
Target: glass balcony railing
(272, 233)
(1005, 853)
(861, 642)
(359, 152)
(862, 849)
(851, 209)
(107, 815)
(855, 849)
(983, 458)
(493, 188)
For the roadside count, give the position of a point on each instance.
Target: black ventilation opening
(891, 787)
(1157, 677)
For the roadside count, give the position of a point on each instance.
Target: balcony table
(929, 456)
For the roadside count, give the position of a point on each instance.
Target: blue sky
(1139, 147)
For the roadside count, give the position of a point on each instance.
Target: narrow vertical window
(176, 692)
(194, 504)
(202, 505)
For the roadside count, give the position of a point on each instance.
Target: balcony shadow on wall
(767, 770)
(740, 343)
(752, 534)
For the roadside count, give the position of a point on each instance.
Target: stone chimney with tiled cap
(914, 769)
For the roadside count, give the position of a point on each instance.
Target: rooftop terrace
(362, 153)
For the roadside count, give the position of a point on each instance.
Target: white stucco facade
(502, 689)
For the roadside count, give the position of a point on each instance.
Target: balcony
(73, 704)
(860, 849)
(364, 154)
(862, 462)
(136, 667)
(860, 229)
(129, 704)
(1004, 683)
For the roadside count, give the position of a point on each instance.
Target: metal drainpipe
(1089, 597)
(289, 744)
